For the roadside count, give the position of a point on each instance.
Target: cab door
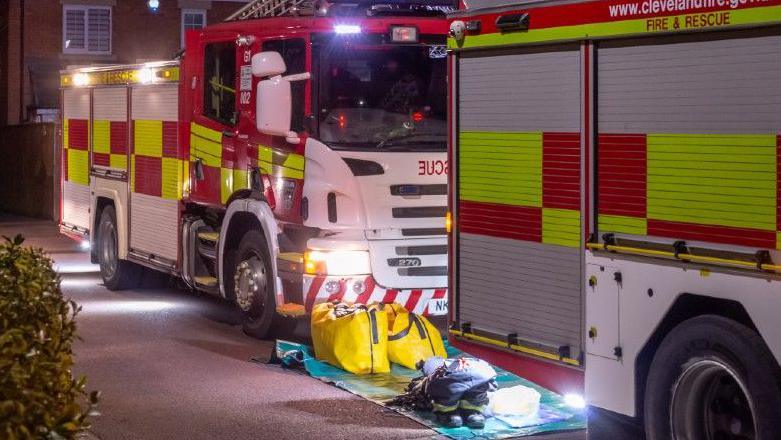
(214, 125)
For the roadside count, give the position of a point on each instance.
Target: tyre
(254, 288)
(117, 274)
(712, 378)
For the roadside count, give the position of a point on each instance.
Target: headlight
(337, 263)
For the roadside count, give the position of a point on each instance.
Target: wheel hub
(108, 249)
(709, 401)
(250, 283)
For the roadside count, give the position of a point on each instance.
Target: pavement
(173, 364)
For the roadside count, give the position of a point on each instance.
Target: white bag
(514, 401)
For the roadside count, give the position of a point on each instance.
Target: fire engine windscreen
(382, 97)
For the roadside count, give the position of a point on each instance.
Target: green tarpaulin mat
(554, 415)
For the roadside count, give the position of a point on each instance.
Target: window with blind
(86, 29)
(192, 19)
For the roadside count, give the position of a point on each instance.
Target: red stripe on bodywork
(169, 139)
(101, 159)
(78, 134)
(621, 171)
(497, 220)
(715, 234)
(118, 141)
(364, 297)
(148, 175)
(413, 299)
(390, 296)
(311, 295)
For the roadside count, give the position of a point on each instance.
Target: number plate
(437, 306)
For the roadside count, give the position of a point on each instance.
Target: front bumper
(308, 290)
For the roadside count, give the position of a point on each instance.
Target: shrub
(39, 397)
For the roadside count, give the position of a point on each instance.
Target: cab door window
(293, 51)
(219, 90)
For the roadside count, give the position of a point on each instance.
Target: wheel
(712, 378)
(117, 274)
(253, 288)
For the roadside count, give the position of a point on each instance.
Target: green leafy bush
(39, 398)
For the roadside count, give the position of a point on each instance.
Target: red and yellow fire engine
(294, 154)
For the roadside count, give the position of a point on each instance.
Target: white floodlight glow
(347, 29)
(81, 79)
(145, 75)
(575, 401)
(84, 245)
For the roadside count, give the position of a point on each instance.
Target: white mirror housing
(273, 107)
(268, 64)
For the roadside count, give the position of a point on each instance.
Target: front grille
(419, 190)
(417, 232)
(420, 212)
(432, 271)
(421, 250)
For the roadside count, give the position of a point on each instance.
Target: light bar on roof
(347, 29)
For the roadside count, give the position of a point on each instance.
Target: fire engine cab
(293, 154)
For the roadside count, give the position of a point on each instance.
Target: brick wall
(138, 34)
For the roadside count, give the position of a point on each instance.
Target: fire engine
(294, 154)
(615, 171)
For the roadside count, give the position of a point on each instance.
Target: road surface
(173, 364)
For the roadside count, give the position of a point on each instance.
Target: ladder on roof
(267, 8)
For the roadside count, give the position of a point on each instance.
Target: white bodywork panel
(157, 103)
(75, 104)
(610, 383)
(75, 204)
(262, 212)
(154, 225)
(115, 190)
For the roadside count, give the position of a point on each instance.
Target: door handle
(229, 133)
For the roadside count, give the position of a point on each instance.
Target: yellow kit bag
(351, 337)
(412, 338)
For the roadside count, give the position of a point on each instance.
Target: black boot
(474, 419)
(450, 419)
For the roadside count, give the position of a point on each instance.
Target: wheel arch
(242, 215)
(102, 200)
(685, 307)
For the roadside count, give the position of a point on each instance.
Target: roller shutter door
(519, 248)
(75, 158)
(110, 129)
(157, 172)
(689, 140)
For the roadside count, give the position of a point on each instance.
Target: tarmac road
(175, 365)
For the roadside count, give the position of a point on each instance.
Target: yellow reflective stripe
(778, 240)
(623, 224)
(561, 227)
(290, 173)
(148, 138)
(444, 408)
(185, 178)
(688, 180)
(740, 17)
(206, 133)
(240, 180)
(65, 143)
(101, 136)
(118, 161)
(78, 169)
(133, 172)
(467, 405)
(226, 184)
(203, 146)
(171, 179)
(295, 161)
(501, 167)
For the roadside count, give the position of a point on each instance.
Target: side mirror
(274, 106)
(268, 64)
